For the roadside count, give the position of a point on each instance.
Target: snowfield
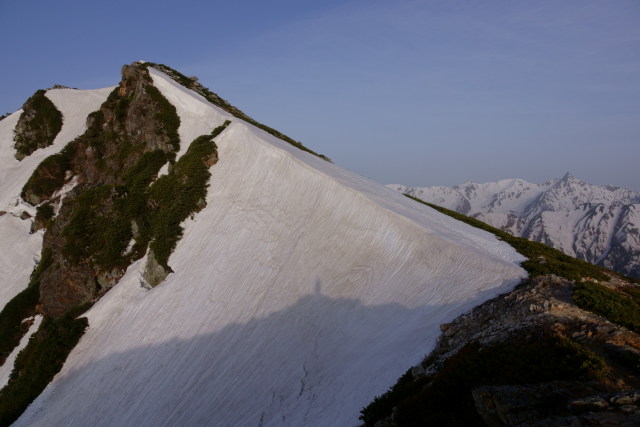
(300, 293)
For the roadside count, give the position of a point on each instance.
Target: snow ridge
(299, 293)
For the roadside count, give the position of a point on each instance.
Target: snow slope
(595, 223)
(300, 292)
(21, 250)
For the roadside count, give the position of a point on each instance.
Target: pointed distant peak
(568, 177)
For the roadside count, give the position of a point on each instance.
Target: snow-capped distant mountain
(295, 293)
(600, 224)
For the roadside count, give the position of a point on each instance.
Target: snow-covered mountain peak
(568, 177)
(297, 290)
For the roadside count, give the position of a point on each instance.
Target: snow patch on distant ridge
(596, 223)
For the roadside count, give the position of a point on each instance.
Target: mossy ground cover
(39, 361)
(179, 193)
(100, 227)
(44, 212)
(22, 306)
(42, 128)
(445, 399)
(49, 175)
(167, 115)
(613, 306)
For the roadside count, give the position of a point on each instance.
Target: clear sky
(406, 92)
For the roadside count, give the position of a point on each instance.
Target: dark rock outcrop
(555, 404)
(37, 126)
(591, 370)
(135, 123)
(154, 273)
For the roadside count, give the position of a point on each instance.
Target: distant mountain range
(600, 224)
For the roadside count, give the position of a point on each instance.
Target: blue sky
(409, 92)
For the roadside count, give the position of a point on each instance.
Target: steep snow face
(20, 249)
(596, 223)
(300, 292)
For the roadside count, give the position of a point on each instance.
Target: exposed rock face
(540, 307)
(38, 125)
(544, 302)
(154, 273)
(127, 125)
(67, 286)
(133, 121)
(551, 404)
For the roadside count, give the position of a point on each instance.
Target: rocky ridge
(127, 126)
(537, 309)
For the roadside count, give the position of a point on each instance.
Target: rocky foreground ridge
(540, 323)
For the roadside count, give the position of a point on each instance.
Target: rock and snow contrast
(599, 224)
(297, 293)
(21, 248)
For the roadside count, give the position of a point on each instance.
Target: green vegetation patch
(167, 115)
(21, 307)
(49, 175)
(44, 212)
(613, 306)
(542, 259)
(100, 228)
(38, 125)
(181, 192)
(445, 398)
(39, 361)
